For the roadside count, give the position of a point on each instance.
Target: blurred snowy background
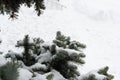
(95, 23)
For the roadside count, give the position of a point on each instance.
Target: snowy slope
(93, 22)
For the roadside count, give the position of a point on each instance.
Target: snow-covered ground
(93, 22)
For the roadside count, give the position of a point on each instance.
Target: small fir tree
(66, 57)
(28, 59)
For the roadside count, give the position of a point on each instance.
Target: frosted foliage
(45, 57)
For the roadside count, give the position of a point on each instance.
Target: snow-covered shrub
(97, 75)
(104, 71)
(65, 61)
(62, 56)
(42, 58)
(65, 42)
(31, 50)
(68, 53)
(9, 71)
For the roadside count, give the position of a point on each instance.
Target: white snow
(93, 22)
(2, 60)
(38, 65)
(39, 77)
(56, 76)
(24, 74)
(45, 57)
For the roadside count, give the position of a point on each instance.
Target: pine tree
(65, 58)
(62, 59)
(12, 7)
(63, 55)
(28, 59)
(32, 50)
